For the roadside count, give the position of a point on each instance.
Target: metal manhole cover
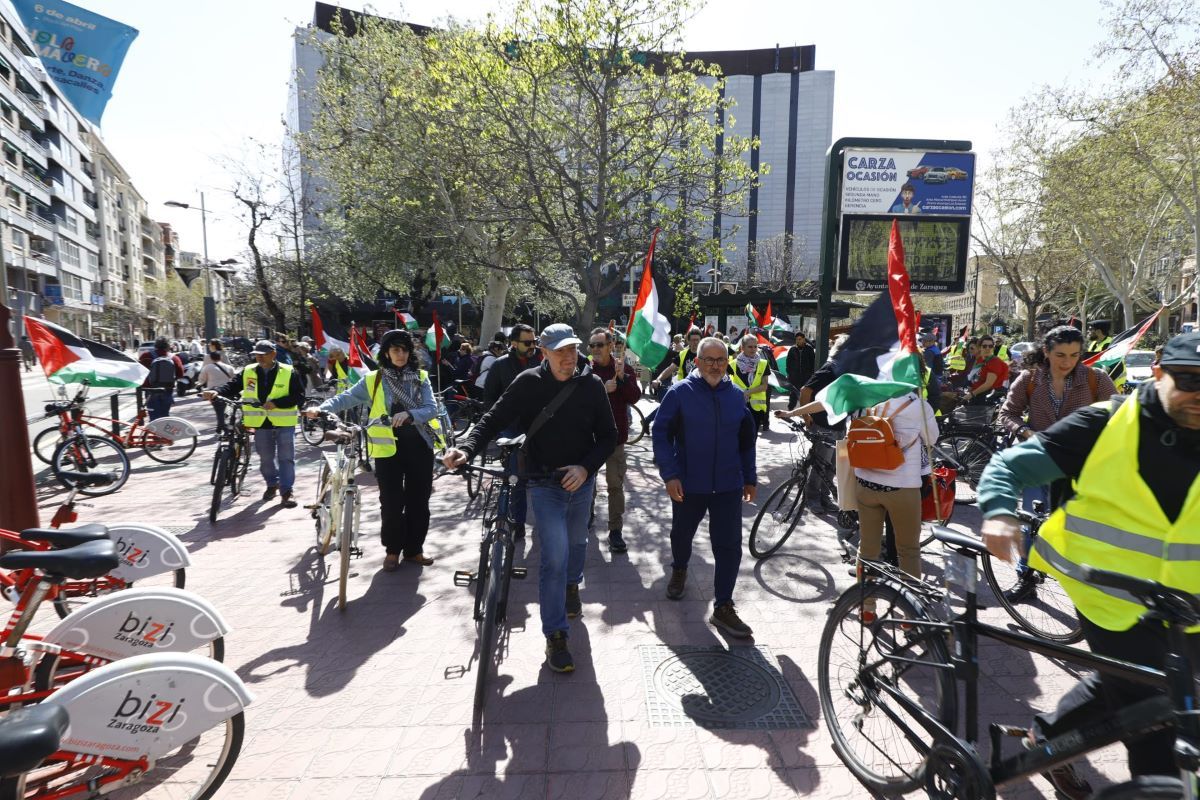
(712, 687)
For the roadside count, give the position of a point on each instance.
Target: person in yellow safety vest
(1136, 511)
(683, 365)
(339, 368)
(1098, 338)
(748, 371)
(279, 391)
(402, 434)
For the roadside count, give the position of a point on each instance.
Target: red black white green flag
(67, 358)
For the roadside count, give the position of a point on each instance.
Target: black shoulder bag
(541, 420)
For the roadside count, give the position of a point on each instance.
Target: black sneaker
(1065, 779)
(269, 494)
(1023, 592)
(286, 500)
(725, 618)
(574, 604)
(616, 543)
(519, 530)
(675, 586)
(558, 658)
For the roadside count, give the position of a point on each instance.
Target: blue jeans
(276, 448)
(158, 404)
(562, 530)
(724, 511)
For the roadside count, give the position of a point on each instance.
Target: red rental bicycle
(167, 440)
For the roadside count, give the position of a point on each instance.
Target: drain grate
(739, 688)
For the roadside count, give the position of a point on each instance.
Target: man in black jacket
(801, 363)
(505, 369)
(576, 440)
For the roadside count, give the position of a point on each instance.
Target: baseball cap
(263, 347)
(928, 338)
(1182, 351)
(560, 334)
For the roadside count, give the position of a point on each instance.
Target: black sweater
(581, 431)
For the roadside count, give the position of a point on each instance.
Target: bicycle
(81, 454)
(785, 508)
(167, 440)
(496, 569)
(231, 461)
(337, 509)
(310, 429)
(896, 671)
(146, 552)
(972, 447)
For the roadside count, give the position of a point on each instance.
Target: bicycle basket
(975, 416)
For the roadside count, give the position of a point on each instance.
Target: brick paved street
(376, 701)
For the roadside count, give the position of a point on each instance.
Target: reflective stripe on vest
(381, 439)
(680, 374)
(757, 402)
(435, 425)
(1115, 523)
(255, 416)
(957, 359)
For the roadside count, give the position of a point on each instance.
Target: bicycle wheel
(460, 419)
(487, 626)
(320, 509)
(169, 440)
(45, 443)
(862, 667)
(637, 425)
(72, 594)
(972, 453)
(311, 430)
(778, 517)
(91, 454)
(222, 460)
(345, 540)
(1047, 612)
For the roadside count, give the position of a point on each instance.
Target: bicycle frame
(1126, 723)
(135, 433)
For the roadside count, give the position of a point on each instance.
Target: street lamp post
(210, 303)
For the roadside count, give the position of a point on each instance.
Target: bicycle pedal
(463, 577)
(520, 573)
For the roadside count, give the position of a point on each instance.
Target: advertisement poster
(907, 182)
(80, 49)
(935, 252)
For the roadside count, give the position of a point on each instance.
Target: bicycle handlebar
(500, 473)
(236, 402)
(1170, 605)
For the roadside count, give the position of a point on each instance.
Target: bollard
(115, 406)
(18, 498)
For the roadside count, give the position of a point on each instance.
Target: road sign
(628, 300)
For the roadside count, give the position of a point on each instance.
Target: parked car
(937, 175)
(917, 173)
(956, 174)
(1138, 370)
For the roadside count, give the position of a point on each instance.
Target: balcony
(43, 223)
(90, 198)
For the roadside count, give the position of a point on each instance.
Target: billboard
(929, 193)
(907, 182)
(81, 50)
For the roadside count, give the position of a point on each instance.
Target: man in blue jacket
(704, 441)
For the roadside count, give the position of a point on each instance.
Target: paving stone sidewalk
(375, 701)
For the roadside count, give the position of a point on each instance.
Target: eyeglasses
(711, 362)
(527, 342)
(1184, 381)
(987, 347)
(597, 345)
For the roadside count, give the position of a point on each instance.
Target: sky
(204, 80)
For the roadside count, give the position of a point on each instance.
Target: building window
(72, 286)
(69, 253)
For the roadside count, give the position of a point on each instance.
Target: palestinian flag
(648, 334)
(771, 323)
(880, 360)
(406, 321)
(435, 339)
(1113, 356)
(753, 318)
(779, 353)
(360, 353)
(67, 358)
(325, 343)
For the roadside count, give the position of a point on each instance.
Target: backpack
(162, 372)
(1093, 381)
(871, 440)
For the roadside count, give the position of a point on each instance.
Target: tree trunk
(587, 313)
(493, 304)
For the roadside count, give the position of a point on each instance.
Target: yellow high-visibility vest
(381, 439)
(758, 402)
(1115, 523)
(1097, 347)
(255, 416)
(956, 359)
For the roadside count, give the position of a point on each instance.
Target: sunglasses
(597, 345)
(527, 342)
(1184, 381)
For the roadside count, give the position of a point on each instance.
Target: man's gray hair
(749, 338)
(711, 341)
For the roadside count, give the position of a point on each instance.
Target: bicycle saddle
(88, 560)
(515, 441)
(87, 478)
(28, 735)
(67, 537)
(964, 543)
(58, 408)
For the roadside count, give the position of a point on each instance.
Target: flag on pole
(753, 318)
(772, 323)
(434, 338)
(1112, 358)
(407, 321)
(648, 334)
(324, 341)
(880, 359)
(358, 343)
(67, 358)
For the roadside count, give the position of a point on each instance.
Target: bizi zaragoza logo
(152, 714)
